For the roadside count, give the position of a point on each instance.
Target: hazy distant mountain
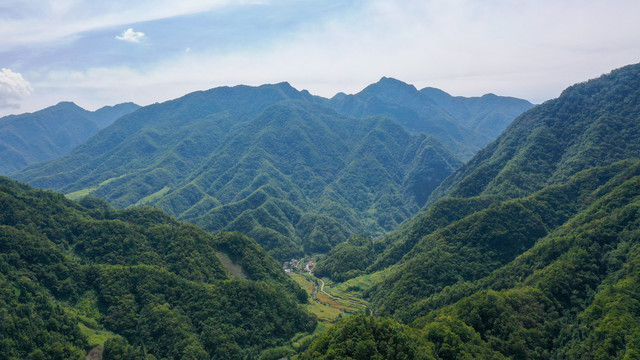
(488, 114)
(52, 132)
(462, 125)
(106, 115)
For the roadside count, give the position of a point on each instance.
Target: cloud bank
(531, 50)
(13, 87)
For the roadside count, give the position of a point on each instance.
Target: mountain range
(528, 250)
(289, 169)
(52, 132)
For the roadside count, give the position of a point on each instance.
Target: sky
(104, 52)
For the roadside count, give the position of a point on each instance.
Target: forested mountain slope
(75, 275)
(52, 132)
(295, 175)
(274, 162)
(593, 123)
(169, 137)
(476, 245)
(537, 257)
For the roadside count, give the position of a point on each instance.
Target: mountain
(271, 162)
(134, 283)
(591, 124)
(488, 114)
(534, 252)
(52, 132)
(462, 125)
(106, 115)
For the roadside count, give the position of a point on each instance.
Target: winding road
(339, 298)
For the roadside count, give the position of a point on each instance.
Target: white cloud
(131, 36)
(13, 87)
(531, 50)
(32, 22)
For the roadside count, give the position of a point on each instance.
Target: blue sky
(99, 53)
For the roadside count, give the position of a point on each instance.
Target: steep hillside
(537, 256)
(590, 124)
(573, 295)
(296, 176)
(135, 282)
(476, 245)
(315, 177)
(52, 132)
(273, 162)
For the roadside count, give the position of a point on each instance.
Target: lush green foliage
(295, 176)
(572, 292)
(52, 132)
(442, 213)
(361, 337)
(347, 260)
(157, 283)
(534, 255)
(474, 246)
(538, 257)
(591, 124)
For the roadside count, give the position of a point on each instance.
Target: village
(298, 266)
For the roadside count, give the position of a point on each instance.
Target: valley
(328, 304)
(266, 222)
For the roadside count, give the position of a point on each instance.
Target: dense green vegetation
(72, 270)
(275, 163)
(347, 259)
(298, 177)
(591, 124)
(52, 132)
(534, 255)
(363, 338)
(530, 251)
(474, 246)
(552, 275)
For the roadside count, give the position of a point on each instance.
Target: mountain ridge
(531, 249)
(52, 132)
(575, 149)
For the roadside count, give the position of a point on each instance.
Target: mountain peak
(389, 82)
(389, 87)
(67, 105)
